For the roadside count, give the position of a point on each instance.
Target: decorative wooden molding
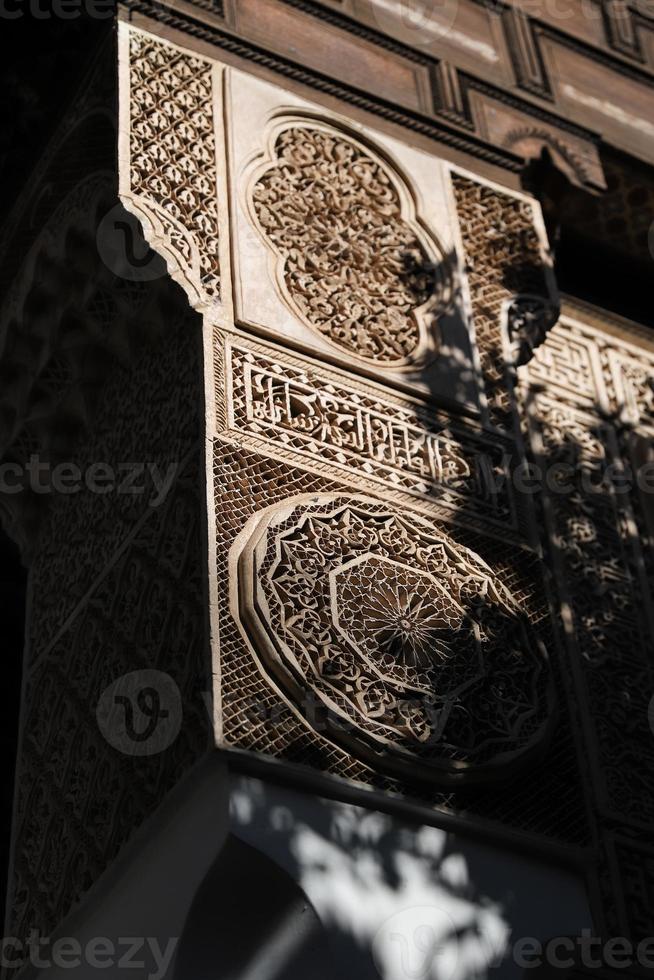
(450, 98)
(525, 54)
(199, 24)
(621, 30)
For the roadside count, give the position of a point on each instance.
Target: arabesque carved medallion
(352, 260)
(392, 639)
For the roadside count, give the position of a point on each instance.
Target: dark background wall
(12, 625)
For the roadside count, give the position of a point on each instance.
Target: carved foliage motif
(401, 643)
(173, 156)
(255, 716)
(354, 264)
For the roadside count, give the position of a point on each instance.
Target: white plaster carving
(433, 353)
(168, 174)
(322, 419)
(390, 638)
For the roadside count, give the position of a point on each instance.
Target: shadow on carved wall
(13, 587)
(349, 868)
(600, 573)
(115, 367)
(101, 370)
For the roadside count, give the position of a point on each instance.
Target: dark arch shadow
(250, 921)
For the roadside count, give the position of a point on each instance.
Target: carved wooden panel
(522, 133)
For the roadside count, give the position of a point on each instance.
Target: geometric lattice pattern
(172, 174)
(543, 800)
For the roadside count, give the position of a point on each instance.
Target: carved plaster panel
(588, 395)
(168, 173)
(351, 260)
(632, 378)
(513, 297)
(610, 371)
(571, 361)
(320, 418)
(390, 638)
(342, 243)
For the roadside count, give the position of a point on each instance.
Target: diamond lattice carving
(172, 160)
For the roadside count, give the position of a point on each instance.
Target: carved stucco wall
(347, 249)
(504, 259)
(288, 419)
(291, 418)
(350, 257)
(103, 371)
(295, 421)
(167, 149)
(587, 396)
(398, 643)
(111, 593)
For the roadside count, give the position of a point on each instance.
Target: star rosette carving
(396, 614)
(352, 260)
(392, 639)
